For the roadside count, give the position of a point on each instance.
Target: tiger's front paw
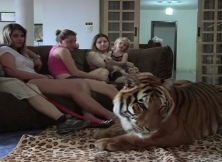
(100, 134)
(108, 144)
(113, 131)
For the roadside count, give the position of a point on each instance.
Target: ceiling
(175, 4)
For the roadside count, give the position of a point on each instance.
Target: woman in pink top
(60, 62)
(62, 66)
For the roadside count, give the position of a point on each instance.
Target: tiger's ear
(131, 81)
(167, 83)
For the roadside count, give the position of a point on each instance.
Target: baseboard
(186, 70)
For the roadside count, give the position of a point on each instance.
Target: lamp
(169, 10)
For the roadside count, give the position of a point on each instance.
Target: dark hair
(63, 34)
(93, 47)
(152, 44)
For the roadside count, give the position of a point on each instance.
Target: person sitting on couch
(31, 93)
(13, 55)
(62, 66)
(98, 53)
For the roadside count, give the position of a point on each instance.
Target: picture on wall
(38, 32)
(7, 16)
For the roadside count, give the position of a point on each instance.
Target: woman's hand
(37, 64)
(49, 77)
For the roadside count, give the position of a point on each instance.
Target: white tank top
(23, 63)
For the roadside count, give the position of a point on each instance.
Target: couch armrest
(158, 61)
(165, 66)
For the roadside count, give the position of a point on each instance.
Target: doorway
(167, 30)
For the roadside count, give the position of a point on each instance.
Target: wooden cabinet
(209, 42)
(120, 18)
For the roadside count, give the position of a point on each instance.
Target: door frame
(175, 42)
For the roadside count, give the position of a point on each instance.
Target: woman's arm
(32, 54)
(109, 54)
(96, 60)
(8, 62)
(67, 59)
(36, 59)
(122, 62)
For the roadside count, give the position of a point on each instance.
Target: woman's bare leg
(120, 79)
(102, 87)
(45, 107)
(101, 71)
(89, 115)
(30, 92)
(72, 88)
(86, 89)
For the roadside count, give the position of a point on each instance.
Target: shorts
(18, 88)
(72, 77)
(114, 76)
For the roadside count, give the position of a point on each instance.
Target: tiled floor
(9, 140)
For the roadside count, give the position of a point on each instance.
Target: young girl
(119, 57)
(119, 53)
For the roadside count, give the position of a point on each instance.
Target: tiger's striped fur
(169, 113)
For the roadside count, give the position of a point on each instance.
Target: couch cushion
(79, 56)
(43, 52)
(158, 60)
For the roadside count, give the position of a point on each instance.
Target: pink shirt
(56, 65)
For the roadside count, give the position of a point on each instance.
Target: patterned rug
(78, 147)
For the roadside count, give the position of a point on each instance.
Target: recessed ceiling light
(168, 1)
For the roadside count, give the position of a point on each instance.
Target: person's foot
(89, 116)
(72, 124)
(103, 124)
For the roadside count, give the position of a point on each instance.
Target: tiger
(163, 113)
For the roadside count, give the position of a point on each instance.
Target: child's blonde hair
(122, 39)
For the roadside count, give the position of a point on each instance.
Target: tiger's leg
(113, 131)
(132, 142)
(118, 143)
(172, 136)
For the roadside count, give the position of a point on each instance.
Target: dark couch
(19, 115)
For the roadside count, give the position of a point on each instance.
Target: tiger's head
(143, 104)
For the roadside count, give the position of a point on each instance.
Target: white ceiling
(162, 4)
